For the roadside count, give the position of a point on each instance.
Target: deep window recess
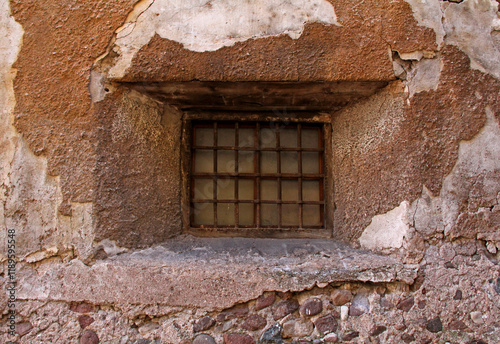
(257, 175)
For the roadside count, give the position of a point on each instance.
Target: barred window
(257, 175)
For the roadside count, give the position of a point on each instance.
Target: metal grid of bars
(257, 175)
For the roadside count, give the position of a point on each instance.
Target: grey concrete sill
(211, 273)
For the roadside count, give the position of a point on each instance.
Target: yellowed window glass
(203, 214)
(269, 162)
(246, 189)
(225, 214)
(269, 214)
(289, 190)
(204, 161)
(310, 163)
(246, 162)
(290, 162)
(269, 190)
(288, 138)
(226, 162)
(246, 214)
(311, 215)
(204, 137)
(203, 188)
(225, 189)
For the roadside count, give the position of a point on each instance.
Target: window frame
(315, 118)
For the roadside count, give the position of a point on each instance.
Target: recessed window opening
(257, 175)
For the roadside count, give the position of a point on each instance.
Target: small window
(257, 176)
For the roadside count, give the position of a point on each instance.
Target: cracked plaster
(202, 25)
(470, 25)
(477, 165)
(29, 196)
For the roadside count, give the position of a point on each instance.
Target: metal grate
(257, 175)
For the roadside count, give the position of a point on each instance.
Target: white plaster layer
(387, 231)
(29, 196)
(471, 25)
(208, 25)
(428, 13)
(476, 173)
(424, 76)
(474, 180)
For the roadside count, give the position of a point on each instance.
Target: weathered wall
(137, 199)
(90, 172)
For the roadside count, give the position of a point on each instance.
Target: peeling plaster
(428, 13)
(478, 164)
(208, 25)
(387, 231)
(469, 25)
(472, 25)
(30, 197)
(424, 75)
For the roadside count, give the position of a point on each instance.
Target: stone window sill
(211, 273)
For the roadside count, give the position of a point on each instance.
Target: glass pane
(225, 189)
(204, 137)
(246, 214)
(310, 190)
(269, 190)
(311, 215)
(246, 137)
(225, 214)
(269, 214)
(310, 162)
(203, 214)
(289, 162)
(268, 138)
(310, 138)
(203, 189)
(246, 189)
(268, 162)
(246, 162)
(203, 161)
(288, 138)
(226, 161)
(289, 190)
(290, 215)
(226, 137)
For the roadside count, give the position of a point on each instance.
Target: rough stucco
(29, 196)
(306, 58)
(475, 173)
(202, 25)
(138, 173)
(430, 125)
(79, 179)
